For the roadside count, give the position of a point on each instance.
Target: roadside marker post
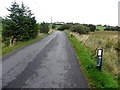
(99, 59)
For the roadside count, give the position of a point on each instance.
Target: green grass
(100, 28)
(96, 79)
(6, 49)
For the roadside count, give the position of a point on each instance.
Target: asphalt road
(47, 63)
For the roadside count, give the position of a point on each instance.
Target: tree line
(85, 28)
(76, 27)
(21, 25)
(108, 28)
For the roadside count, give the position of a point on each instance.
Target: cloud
(82, 11)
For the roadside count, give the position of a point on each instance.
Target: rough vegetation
(86, 54)
(81, 29)
(76, 27)
(64, 26)
(108, 40)
(86, 45)
(44, 27)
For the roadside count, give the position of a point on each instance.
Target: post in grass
(99, 58)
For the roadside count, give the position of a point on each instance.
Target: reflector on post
(99, 59)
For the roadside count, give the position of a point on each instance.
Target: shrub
(44, 27)
(81, 29)
(92, 27)
(112, 28)
(53, 26)
(65, 26)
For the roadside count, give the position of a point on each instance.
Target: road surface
(46, 63)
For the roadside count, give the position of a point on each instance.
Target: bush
(112, 28)
(92, 27)
(65, 26)
(44, 27)
(80, 29)
(53, 26)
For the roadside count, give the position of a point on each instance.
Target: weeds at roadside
(87, 62)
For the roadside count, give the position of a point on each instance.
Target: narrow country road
(47, 63)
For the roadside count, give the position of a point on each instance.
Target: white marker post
(99, 59)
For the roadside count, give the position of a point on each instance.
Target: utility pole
(51, 23)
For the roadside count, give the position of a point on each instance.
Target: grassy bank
(6, 49)
(95, 78)
(108, 40)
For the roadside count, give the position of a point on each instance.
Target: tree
(9, 31)
(44, 27)
(92, 27)
(20, 24)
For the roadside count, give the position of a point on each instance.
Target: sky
(77, 11)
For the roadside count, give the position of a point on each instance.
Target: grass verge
(6, 49)
(96, 79)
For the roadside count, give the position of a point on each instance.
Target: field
(100, 28)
